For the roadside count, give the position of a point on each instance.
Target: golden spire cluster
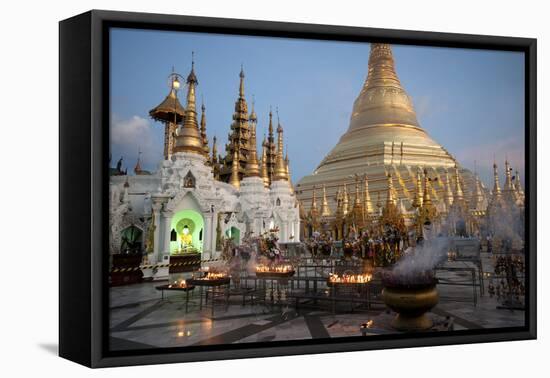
(511, 194)
(241, 158)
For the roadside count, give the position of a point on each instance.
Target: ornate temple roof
(164, 111)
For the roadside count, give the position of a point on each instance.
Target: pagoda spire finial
(270, 127)
(241, 84)
(381, 67)
(325, 209)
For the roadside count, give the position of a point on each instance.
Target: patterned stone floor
(140, 319)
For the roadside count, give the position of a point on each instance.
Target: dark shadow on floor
(50, 347)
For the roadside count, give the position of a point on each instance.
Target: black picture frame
(83, 181)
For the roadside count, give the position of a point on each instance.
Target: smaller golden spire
(427, 201)
(497, 194)
(367, 203)
(345, 200)
(517, 185)
(339, 204)
(234, 179)
(214, 150)
(390, 196)
(509, 191)
(189, 138)
(203, 130)
(418, 199)
(214, 159)
(253, 118)
(313, 211)
(448, 190)
(263, 171)
(508, 185)
(325, 209)
(459, 194)
(280, 169)
(287, 163)
(287, 166)
(477, 196)
(252, 167)
(270, 127)
(241, 83)
(137, 168)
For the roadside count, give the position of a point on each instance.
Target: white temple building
(195, 199)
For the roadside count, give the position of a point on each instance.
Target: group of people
(383, 249)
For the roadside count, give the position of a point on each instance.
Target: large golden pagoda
(384, 138)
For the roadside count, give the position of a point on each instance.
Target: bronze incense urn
(411, 298)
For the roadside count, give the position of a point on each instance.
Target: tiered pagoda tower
(238, 146)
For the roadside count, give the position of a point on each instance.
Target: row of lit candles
(180, 284)
(274, 268)
(350, 278)
(213, 276)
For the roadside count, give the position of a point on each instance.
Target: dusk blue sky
(470, 101)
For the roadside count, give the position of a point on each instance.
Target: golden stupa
(384, 138)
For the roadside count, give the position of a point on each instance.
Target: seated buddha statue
(186, 239)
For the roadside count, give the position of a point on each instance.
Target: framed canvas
(236, 188)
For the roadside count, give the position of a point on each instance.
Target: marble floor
(140, 319)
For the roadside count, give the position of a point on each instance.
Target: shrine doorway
(131, 240)
(235, 234)
(186, 232)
